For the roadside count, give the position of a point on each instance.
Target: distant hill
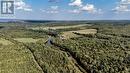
(64, 21)
(8, 20)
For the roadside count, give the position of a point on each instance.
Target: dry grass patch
(59, 27)
(5, 42)
(68, 35)
(86, 31)
(26, 40)
(17, 59)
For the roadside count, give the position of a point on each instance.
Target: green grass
(20, 33)
(53, 60)
(26, 40)
(59, 27)
(17, 59)
(23, 50)
(5, 42)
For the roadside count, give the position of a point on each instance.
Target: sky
(70, 10)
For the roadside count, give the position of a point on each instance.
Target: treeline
(99, 55)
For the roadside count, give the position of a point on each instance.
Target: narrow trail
(76, 61)
(70, 57)
(35, 59)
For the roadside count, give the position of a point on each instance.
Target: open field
(71, 34)
(59, 27)
(86, 31)
(26, 40)
(67, 35)
(5, 42)
(17, 60)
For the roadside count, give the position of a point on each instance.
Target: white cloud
(54, 7)
(123, 6)
(42, 10)
(90, 8)
(21, 5)
(125, 1)
(75, 11)
(76, 3)
(51, 10)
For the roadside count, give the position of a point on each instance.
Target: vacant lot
(5, 42)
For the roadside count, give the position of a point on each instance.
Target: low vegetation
(86, 31)
(65, 47)
(59, 27)
(68, 35)
(27, 40)
(5, 42)
(17, 59)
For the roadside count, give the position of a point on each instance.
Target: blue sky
(71, 10)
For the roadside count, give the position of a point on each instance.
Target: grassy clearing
(86, 31)
(59, 27)
(26, 40)
(5, 42)
(19, 33)
(70, 34)
(17, 59)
